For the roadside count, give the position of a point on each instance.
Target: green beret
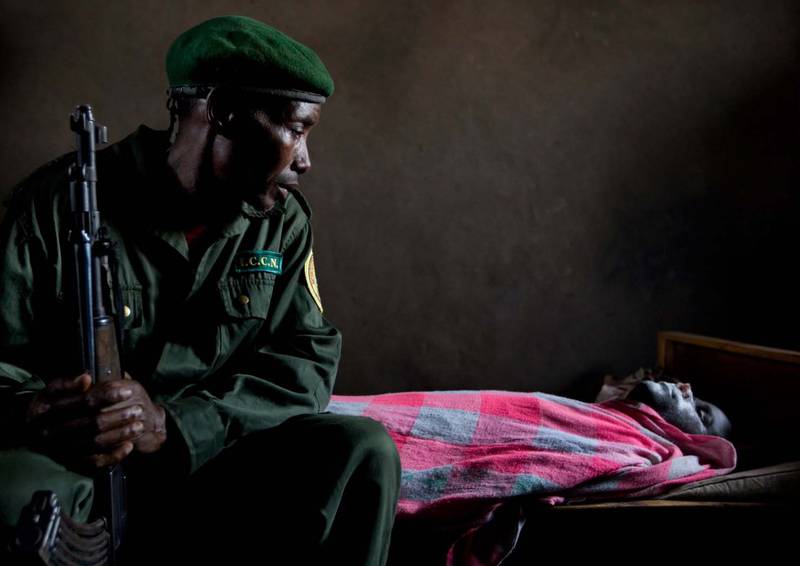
(243, 52)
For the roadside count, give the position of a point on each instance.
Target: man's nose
(685, 388)
(302, 161)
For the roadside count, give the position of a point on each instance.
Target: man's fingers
(65, 401)
(115, 436)
(37, 408)
(69, 384)
(75, 424)
(66, 410)
(103, 407)
(60, 392)
(109, 393)
(115, 457)
(121, 415)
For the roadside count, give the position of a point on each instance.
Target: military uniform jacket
(229, 340)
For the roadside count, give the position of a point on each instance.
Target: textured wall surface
(507, 194)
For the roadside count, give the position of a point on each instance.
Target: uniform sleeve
(289, 371)
(21, 249)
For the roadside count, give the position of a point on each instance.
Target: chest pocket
(245, 305)
(131, 316)
(247, 296)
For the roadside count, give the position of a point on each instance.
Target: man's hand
(97, 425)
(126, 413)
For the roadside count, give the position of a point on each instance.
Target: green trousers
(23, 472)
(317, 489)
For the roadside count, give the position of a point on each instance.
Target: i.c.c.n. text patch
(258, 261)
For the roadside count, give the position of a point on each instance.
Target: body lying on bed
(487, 444)
(464, 453)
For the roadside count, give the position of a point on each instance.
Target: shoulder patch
(311, 280)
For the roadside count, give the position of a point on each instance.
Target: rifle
(46, 535)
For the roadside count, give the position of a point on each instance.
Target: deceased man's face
(676, 403)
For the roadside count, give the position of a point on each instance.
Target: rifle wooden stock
(107, 359)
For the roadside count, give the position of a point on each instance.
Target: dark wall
(507, 194)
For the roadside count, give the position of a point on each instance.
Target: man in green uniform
(222, 424)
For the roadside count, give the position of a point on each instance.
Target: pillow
(779, 483)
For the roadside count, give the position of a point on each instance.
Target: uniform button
(244, 299)
(126, 311)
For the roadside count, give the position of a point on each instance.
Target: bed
(755, 507)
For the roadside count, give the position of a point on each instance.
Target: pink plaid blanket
(463, 452)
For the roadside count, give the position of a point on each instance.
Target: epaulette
(28, 184)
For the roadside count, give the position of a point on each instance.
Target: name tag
(259, 260)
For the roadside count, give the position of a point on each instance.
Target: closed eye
(706, 417)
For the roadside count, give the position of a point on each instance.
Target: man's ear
(222, 110)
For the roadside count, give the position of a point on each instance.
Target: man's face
(265, 146)
(676, 403)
